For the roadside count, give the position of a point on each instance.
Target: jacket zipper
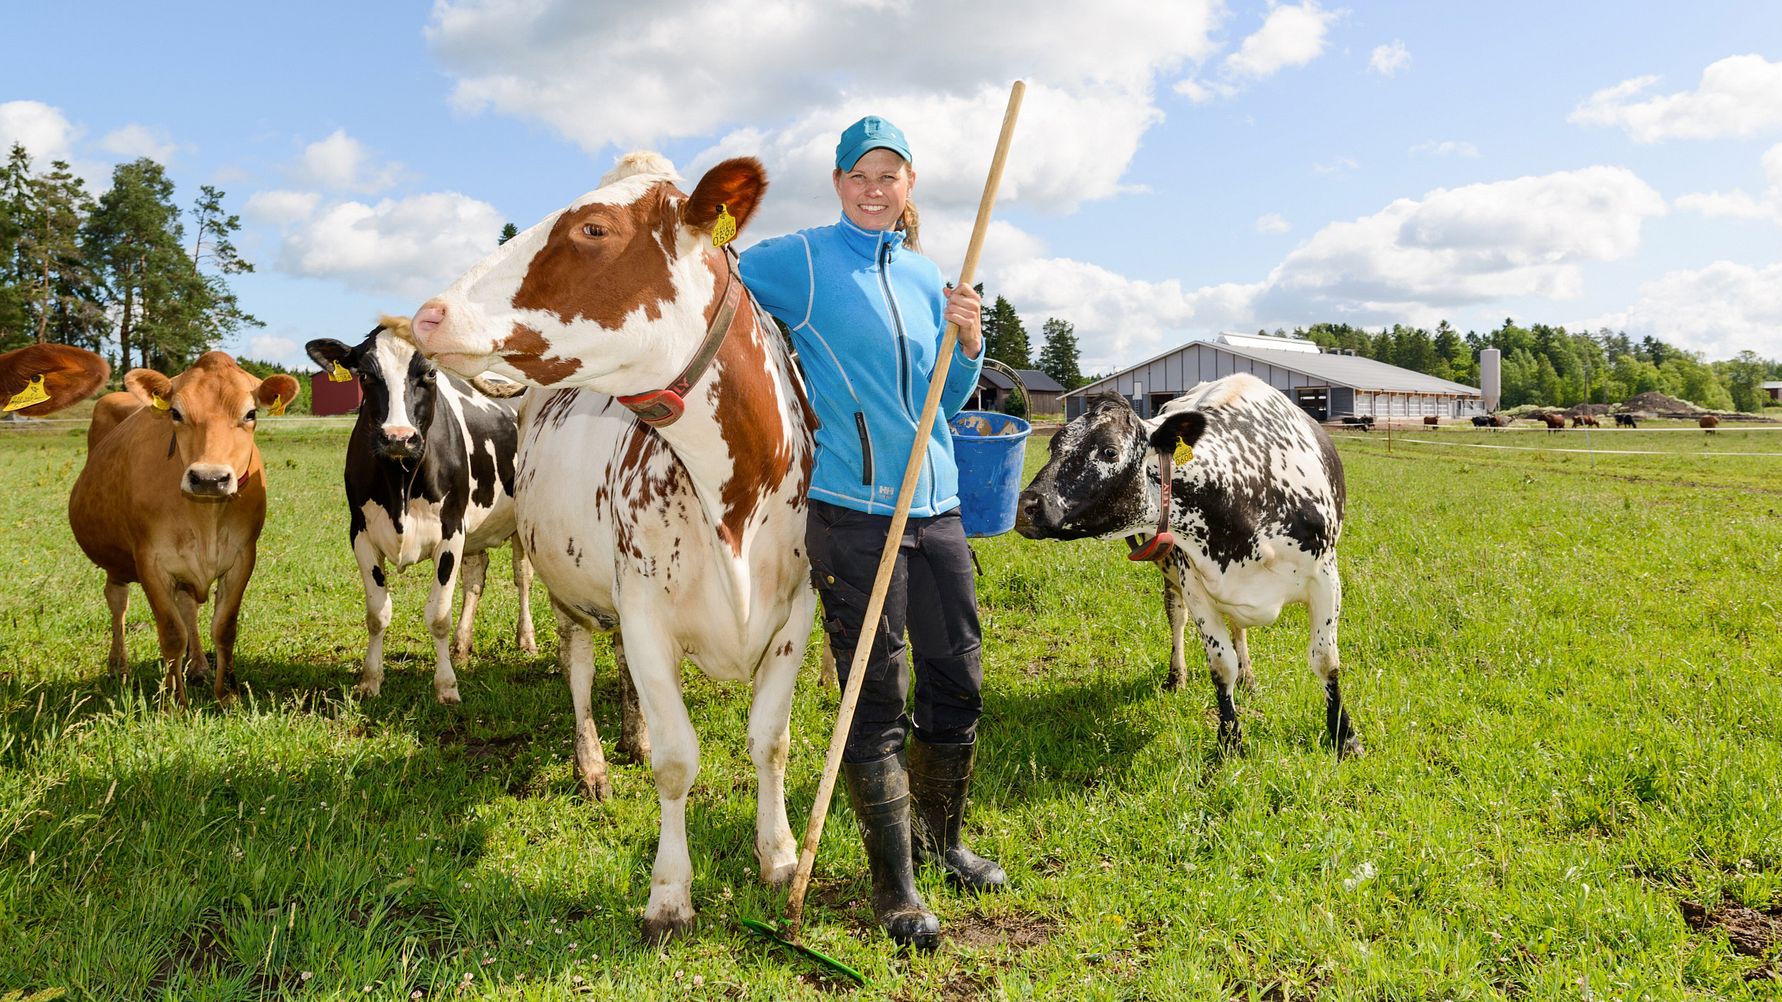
(903, 358)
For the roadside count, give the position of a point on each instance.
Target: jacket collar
(867, 242)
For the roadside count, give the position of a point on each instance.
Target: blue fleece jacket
(865, 314)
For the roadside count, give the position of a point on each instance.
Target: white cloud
(342, 163)
(272, 348)
(1290, 36)
(281, 208)
(1445, 148)
(43, 130)
(1387, 60)
(134, 141)
(1272, 222)
(1737, 204)
(1737, 96)
(1203, 91)
(1721, 310)
(1336, 165)
(405, 249)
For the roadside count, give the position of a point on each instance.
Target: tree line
(127, 274)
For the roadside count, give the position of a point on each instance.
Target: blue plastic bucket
(989, 448)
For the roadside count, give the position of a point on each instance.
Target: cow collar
(1157, 547)
(661, 408)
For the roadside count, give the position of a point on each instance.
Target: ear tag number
(278, 407)
(1184, 453)
(34, 393)
(724, 230)
(339, 374)
(161, 403)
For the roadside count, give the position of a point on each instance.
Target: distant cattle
(1246, 523)
(1431, 419)
(1365, 422)
(429, 477)
(1554, 422)
(1585, 421)
(1708, 423)
(662, 474)
(1490, 421)
(41, 379)
(173, 496)
(1626, 421)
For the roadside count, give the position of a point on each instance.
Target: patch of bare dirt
(1751, 931)
(1015, 930)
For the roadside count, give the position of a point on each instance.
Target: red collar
(661, 408)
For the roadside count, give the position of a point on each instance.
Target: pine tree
(219, 313)
(508, 232)
(16, 210)
(60, 289)
(1058, 356)
(1009, 345)
(134, 242)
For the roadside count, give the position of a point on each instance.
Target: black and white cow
(429, 476)
(1257, 510)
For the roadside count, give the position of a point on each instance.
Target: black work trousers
(933, 595)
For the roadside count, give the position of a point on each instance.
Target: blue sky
(1180, 168)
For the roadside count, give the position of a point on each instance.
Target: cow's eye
(593, 230)
(430, 375)
(175, 415)
(1109, 454)
(250, 415)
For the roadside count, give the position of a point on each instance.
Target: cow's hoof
(635, 752)
(367, 690)
(1246, 680)
(529, 644)
(1351, 748)
(661, 929)
(777, 874)
(1176, 683)
(448, 696)
(597, 788)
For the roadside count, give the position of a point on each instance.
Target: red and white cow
(675, 514)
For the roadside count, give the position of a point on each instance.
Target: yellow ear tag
(339, 374)
(34, 393)
(724, 230)
(278, 407)
(161, 403)
(1184, 453)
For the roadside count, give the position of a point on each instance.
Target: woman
(867, 313)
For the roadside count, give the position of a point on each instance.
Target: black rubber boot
(880, 793)
(940, 777)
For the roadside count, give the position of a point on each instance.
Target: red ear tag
(657, 407)
(1156, 549)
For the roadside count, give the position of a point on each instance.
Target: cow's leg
(566, 625)
(575, 644)
(826, 675)
(1240, 640)
(170, 628)
(674, 761)
(524, 634)
(476, 570)
(1324, 605)
(117, 599)
(223, 619)
(377, 615)
(196, 666)
(770, 716)
(446, 560)
(1222, 661)
(1176, 608)
(634, 733)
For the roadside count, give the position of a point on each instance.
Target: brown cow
(41, 379)
(1585, 421)
(1709, 422)
(173, 497)
(1554, 422)
(1431, 419)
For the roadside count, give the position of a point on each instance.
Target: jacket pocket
(865, 449)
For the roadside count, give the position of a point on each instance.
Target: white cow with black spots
(1255, 511)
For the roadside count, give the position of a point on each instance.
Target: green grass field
(1565, 675)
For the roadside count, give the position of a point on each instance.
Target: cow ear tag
(278, 407)
(724, 229)
(33, 393)
(161, 403)
(1184, 453)
(338, 374)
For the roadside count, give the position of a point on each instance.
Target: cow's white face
(1092, 484)
(610, 293)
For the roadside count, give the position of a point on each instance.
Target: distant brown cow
(173, 497)
(1709, 422)
(41, 379)
(1554, 422)
(1585, 421)
(1431, 419)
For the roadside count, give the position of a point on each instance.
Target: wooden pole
(875, 605)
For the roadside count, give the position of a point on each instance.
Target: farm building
(1772, 389)
(1327, 385)
(995, 388)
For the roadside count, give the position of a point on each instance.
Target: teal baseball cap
(870, 133)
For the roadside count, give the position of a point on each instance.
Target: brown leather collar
(661, 408)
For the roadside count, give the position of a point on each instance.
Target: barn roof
(1338, 370)
(1033, 379)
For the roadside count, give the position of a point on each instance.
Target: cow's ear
(732, 188)
(40, 379)
(325, 352)
(1178, 429)
(148, 386)
(276, 390)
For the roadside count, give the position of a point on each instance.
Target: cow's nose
(427, 319)
(1030, 511)
(209, 480)
(399, 440)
